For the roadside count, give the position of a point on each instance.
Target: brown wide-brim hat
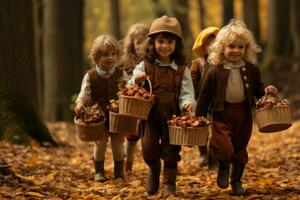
(165, 24)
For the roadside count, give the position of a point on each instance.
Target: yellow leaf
(35, 194)
(32, 160)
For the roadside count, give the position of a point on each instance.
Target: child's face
(139, 43)
(107, 59)
(164, 46)
(235, 50)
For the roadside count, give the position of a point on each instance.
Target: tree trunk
(251, 17)
(295, 28)
(227, 11)
(202, 14)
(38, 41)
(179, 9)
(158, 8)
(18, 99)
(115, 19)
(279, 40)
(63, 51)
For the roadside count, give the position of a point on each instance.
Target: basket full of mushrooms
(188, 130)
(90, 123)
(135, 101)
(119, 123)
(273, 114)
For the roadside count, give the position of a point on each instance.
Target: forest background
(45, 44)
(43, 56)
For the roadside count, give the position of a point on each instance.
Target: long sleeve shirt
(186, 91)
(85, 91)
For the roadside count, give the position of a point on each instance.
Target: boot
(223, 174)
(130, 149)
(152, 182)
(99, 169)
(118, 169)
(203, 161)
(236, 183)
(169, 182)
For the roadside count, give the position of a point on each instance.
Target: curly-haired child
(165, 66)
(99, 85)
(228, 91)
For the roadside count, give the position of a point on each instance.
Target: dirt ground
(273, 171)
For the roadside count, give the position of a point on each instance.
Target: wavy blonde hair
(102, 44)
(130, 58)
(235, 28)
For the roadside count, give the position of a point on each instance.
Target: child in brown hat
(165, 66)
(198, 69)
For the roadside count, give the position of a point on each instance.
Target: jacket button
(245, 77)
(243, 69)
(247, 85)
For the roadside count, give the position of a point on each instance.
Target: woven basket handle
(150, 86)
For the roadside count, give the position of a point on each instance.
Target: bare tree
(251, 17)
(201, 14)
(19, 121)
(179, 9)
(295, 28)
(63, 56)
(158, 8)
(115, 18)
(227, 11)
(279, 40)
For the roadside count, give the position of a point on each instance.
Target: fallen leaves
(67, 172)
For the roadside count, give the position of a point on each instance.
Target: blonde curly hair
(235, 28)
(102, 44)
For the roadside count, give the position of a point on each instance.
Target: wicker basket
(273, 119)
(91, 132)
(188, 136)
(122, 124)
(135, 107)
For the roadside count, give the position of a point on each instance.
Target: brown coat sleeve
(196, 71)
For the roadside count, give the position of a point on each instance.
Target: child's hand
(271, 89)
(140, 77)
(78, 107)
(188, 107)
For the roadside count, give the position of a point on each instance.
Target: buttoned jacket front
(213, 89)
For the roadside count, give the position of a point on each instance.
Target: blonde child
(228, 90)
(99, 85)
(165, 66)
(198, 70)
(134, 44)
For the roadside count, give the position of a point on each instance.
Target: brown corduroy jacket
(213, 89)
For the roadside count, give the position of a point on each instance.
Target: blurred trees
(251, 17)
(63, 56)
(227, 11)
(19, 121)
(115, 19)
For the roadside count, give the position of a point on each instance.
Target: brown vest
(166, 85)
(104, 89)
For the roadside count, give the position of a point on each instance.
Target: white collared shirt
(235, 89)
(187, 89)
(86, 91)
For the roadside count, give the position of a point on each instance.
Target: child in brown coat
(228, 91)
(172, 86)
(99, 85)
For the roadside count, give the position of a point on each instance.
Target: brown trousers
(231, 132)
